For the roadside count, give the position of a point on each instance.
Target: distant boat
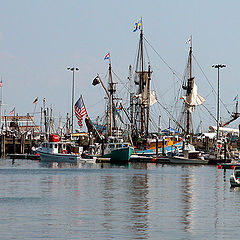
(57, 151)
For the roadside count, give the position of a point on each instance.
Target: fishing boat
(109, 142)
(115, 149)
(57, 151)
(188, 156)
(163, 146)
(235, 177)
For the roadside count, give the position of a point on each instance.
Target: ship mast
(141, 84)
(111, 90)
(189, 87)
(142, 98)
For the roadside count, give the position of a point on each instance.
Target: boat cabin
(112, 146)
(61, 147)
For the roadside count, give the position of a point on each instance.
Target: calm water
(102, 201)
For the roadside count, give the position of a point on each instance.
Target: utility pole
(73, 69)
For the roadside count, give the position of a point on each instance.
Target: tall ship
(141, 101)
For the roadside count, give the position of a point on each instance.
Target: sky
(40, 39)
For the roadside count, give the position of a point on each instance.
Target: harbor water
(104, 201)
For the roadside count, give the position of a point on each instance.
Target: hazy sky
(40, 39)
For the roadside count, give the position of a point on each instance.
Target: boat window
(64, 146)
(50, 145)
(111, 146)
(55, 146)
(119, 145)
(124, 145)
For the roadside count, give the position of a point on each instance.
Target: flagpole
(35, 105)
(84, 105)
(1, 104)
(110, 59)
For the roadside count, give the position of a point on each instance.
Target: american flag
(12, 112)
(80, 111)
(1, 84)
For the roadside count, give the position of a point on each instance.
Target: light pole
(73, 69)
(218, 66)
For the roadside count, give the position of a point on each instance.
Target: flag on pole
(35, 101)
(96, 81)
(80, 111)
(138, 25)
(12, 112)
(107, 56)
(189, 40)
(235, 98)
(1, 83)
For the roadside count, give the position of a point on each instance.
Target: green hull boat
(120, 154)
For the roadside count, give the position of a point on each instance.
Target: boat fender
(64, 151)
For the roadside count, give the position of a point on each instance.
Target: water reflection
(137, 195)
(187, 199)
(104, 201)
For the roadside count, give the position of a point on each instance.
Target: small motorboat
(235, 177)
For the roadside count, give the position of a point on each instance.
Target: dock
(149, 159)
(228, 165)
(24, 156)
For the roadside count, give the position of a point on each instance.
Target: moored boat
(188, 156)
(57, 151)
(235, 177)
(115, 149)
(118, 152)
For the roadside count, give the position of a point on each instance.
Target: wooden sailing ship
(140, 106)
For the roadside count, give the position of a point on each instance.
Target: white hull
(235, 178)
(183, 160)
(60, 157)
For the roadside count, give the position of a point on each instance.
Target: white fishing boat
(235, 177)
(188, 156)
(57, 151)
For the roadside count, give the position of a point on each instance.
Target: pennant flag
(12, 112)
(235, 98)
(107, 56)
(138, 25)
(35, 101)
(80, 111)
(1, 83)
(96, 81)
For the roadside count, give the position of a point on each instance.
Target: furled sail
(193, 99)
(142, 98)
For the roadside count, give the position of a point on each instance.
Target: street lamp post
(218, 66)
(73, 69)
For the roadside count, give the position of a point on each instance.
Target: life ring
(64, 151)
